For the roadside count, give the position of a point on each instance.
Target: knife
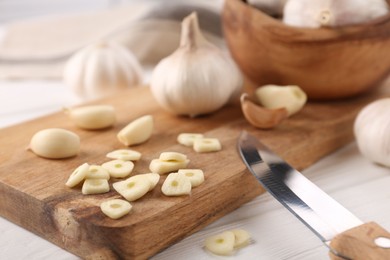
(346, 236)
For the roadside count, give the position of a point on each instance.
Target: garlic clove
(293, 98)
(371, 130)
(137, 131)
(55, 143)
(198, 78)
(102, 69)
(259, 116)
(92, 117)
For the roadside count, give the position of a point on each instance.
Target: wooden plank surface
(33, 194)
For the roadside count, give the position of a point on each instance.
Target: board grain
(34, 195)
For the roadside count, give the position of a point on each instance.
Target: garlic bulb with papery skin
(198, 78)
(372, 131)
(102, 69)
(317, 13)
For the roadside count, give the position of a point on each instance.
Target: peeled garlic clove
(137, 131)
(92, 117)
(102, 69)
(290, 97)
(314, 14)
(259, 116)
(198, 78)
(372, 131)
(55, 143)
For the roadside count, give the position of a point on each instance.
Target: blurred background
(11, 10)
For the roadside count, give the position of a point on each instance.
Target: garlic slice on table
(332, 13)
(102, 69)
(198, 78)
(372, 131)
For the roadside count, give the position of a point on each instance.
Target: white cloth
(38, 48)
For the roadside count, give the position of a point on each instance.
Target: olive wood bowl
(327, 63)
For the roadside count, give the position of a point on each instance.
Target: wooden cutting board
(34, 195)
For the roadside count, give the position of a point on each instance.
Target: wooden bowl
(327, 63)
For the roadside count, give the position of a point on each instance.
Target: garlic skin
(102, 69)
(372, 131)
(198, 78)
(332, 13)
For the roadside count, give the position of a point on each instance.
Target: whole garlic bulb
(198, 78)
(372, 131)
(314, 14)
(102, 69)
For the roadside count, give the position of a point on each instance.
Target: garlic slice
(176, 185)
(221, 244)
(198, 78)
(115, 208)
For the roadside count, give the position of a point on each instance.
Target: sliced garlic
(118, 168)
(92, 117)
(97, 172)
(161, 167)
(137, 131)
(196, 176)
(78, 175)
(241, 238)
(187, 139)
(221, 244)
(290, 97)
(115, 208)
(124, 154)
(176, 185)
(205, 145)
(153, 178)
(95, 186)
(55, 143)
(133, 188)
(173, 157)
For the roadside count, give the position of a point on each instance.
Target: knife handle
(365, 242)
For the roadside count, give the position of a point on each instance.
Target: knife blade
(346, 235)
